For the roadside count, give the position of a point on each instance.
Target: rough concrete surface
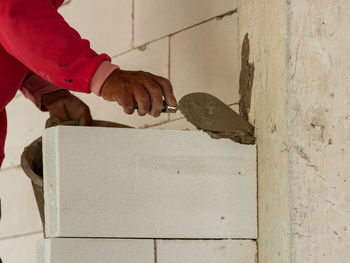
(319, 125)
(266, 25)
(301, 105)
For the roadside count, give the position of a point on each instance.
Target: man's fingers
(138, 87)
(155, 93)
(142, 99)
(85, 118)
(57, 110)
(128, 103)
(77, 110)
(166, 88)
(62, 116)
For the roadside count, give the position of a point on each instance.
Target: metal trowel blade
(210, 114)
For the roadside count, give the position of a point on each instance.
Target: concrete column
(300, 106)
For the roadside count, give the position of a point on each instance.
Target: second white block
(105, 182)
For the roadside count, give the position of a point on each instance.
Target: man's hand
(64, 106)
(138, 88)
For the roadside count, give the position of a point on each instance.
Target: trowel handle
(166, 108)
(169, 109)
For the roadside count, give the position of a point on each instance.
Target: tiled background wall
(192, 42)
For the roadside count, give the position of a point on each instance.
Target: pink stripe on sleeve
(100, 76)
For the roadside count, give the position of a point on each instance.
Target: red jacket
(35, 39)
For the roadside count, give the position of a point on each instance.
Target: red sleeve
(37, 35)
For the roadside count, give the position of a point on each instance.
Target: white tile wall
(157, 18)
(25, 124)
(205, 59)
(206, 251)
(19, 212)
(153, 58)
(76, 250)
(107, 24)
(148, 183)
(20, 249)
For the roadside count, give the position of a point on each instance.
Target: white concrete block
(206, 251)
(153, 59)
(205, 59)
(62, 250)
(106, 24)
(19, 212)
(25, 124)
(158, 18)
(19, 249)
(103, 182)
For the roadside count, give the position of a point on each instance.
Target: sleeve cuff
(100, 76)
(34, 87)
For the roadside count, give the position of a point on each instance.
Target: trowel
(211, 115)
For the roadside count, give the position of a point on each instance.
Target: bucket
(32, 161)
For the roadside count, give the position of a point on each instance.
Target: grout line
(146, 126)
(133, 24)
(155, 252)
(231, 12)
(124, 52)
(152, 238)
(21, 235)
(161, 123)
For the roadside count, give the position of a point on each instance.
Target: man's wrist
(101, 75)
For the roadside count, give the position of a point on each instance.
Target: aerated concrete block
(19, 213)
(206, 59)
(158, 18)
(106, 24)
(19, 249)
(21, 130)
(76, 250)
(106, 182)
(206, 251)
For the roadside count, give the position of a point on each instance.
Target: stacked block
(171, 189)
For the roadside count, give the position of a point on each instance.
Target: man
(41, 55)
